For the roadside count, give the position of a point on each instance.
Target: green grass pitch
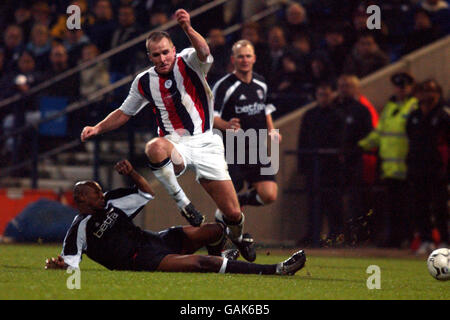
(22, 276)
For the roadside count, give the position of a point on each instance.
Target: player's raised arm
(124, 167)
(198, 42)
(114, 120)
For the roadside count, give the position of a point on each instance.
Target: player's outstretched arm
(112, 121)
(221, 124)
(124, 167)
(198, 42)
(274, 135)
(57, 263)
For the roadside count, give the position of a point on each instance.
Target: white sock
(224, 265)
(234, 231)
(166, 175)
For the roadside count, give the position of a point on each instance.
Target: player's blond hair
(240, 44)
(157, 36)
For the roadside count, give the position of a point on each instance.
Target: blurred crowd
(377, 179)
(305, 51)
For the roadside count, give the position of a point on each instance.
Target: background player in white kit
(182, 102)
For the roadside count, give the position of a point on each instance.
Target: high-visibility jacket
(390, 138)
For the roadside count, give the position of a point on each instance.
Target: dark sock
(159, 165)
(215, 248)
(249, 268)
(249, 198)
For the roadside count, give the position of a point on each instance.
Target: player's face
(243, 59)
(162, 54)
(94, 197)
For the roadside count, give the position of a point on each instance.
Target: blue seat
(49, 105)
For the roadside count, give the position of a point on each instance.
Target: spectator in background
(391, 144)
(41, 14)
(211, 19)
(357, 124)
(74, 41)
(359, 26)
(424, 32)
(12, 45)
(129, 60)
(296, 22)
(365, 57)
(92, 79)
(277, 48)
(428, 130)
(251, 32)
(221, 53)
(95, 77)
(125, 62)
(20, 80)
(59, 62)
(103, 27)
(157, 18)
(322, 127)
(303, 44)
(22, 18)
(288, 93)
(68, 87)
(40, 45)
(322, 70)
(439, 11)
(335, 46)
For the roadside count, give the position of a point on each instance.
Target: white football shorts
(204, 153)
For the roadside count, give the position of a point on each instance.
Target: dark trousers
(324, 200)
(392, 213)
(429, 207)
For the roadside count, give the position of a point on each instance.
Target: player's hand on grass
(124, 167)
(57, 263)
(88, 132)
(275, 136)
(183, 18)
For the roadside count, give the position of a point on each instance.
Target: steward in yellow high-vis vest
(390, 137)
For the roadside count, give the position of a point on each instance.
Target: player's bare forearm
(124, 167)
(141, 182)
(221, 124)
(271, 128)
(114, 120)
(198, 42)
(269, 121)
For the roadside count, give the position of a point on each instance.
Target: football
(439, 264)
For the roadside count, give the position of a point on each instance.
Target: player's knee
(268, 197)
(233, 214)
(156, 150)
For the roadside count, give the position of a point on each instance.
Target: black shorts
(251, 173)
(156, 246)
